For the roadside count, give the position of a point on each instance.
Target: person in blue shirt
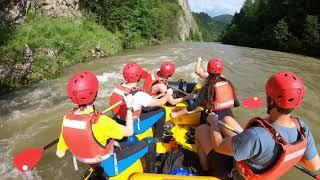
(268, 147)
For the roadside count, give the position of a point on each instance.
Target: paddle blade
(27, 159)
(252, 102)
(144, 74)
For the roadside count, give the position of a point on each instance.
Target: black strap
(275, 133)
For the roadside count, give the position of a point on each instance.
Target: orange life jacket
(78, 136)
(224, 96)
(291, 153)
(117, 95)
(152, 79)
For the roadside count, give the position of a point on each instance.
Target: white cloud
(216, 7)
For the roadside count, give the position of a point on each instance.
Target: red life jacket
(224, 96)
(153, 79)
(291, 153)
(117, 95)
(78, 136)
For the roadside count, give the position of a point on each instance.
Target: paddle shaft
(310, 173)
(50, 144)
(179, 90)
(119, 102)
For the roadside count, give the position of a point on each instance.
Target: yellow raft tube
(182, 123)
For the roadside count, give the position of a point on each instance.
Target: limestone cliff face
(13, 11)
(187, 24)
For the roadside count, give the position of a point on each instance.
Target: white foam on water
(187, 68)
(16, 114)
(107, 77)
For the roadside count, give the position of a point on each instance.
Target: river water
(32, 117)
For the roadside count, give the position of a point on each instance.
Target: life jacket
(78, 136)
(153, 79)
(224, 96)
(117, 95)
(290, 155)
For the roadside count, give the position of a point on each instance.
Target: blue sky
(216, 7)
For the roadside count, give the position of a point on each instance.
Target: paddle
(249, 103)
(310, 173)
(29, 158)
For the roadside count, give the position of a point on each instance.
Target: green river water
(32, 117)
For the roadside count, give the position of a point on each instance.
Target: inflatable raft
(180, 126)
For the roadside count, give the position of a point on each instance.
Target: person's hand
(191, 96)
(199, 59)
(60, 154)
(169, 92)
(129, 99)
(212, 119)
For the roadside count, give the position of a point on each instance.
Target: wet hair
(271, 104)
(206, 93)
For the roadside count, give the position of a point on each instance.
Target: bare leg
(232, 123)
(179, 113)
(173, 101)
(204, 145)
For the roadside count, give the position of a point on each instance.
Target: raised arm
(199, 70)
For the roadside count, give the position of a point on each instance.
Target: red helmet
(215, 66)
(132, 72)
(83, 88)
(167, 69)
(286, 89)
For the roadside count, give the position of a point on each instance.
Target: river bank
(53, 35)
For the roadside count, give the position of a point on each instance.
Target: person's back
(90, 136)
(269, 147)
(260, 143)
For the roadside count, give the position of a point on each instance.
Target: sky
(216, 7)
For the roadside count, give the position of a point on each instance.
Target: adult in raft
(268, 147)
(90, 136)
(217, 93)
(157, 82)
(143, 119)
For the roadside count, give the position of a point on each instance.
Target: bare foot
(174, 115)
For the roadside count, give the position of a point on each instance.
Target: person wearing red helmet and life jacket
(268, 147)
(157, 82)
(91, 136)
(217, 93)
(143, 119)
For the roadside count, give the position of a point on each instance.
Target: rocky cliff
(187, 24)
(13, 11)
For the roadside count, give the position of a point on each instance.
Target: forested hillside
(225, 18)
(286, 25)
(209, 28)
